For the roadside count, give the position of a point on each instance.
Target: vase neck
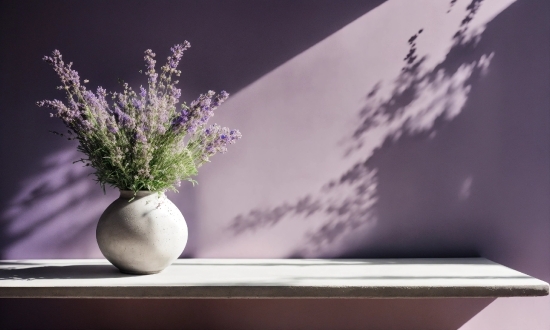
(127, 194)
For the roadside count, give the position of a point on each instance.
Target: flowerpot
(141, 236)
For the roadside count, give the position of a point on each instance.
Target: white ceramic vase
(142, 236)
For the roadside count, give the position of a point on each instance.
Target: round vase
(141, 236)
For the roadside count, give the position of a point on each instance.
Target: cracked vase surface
(142, 236)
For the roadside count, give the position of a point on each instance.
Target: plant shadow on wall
(417, 103)
(61, 203)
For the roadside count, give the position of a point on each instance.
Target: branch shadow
(60, 202)
(422, 100)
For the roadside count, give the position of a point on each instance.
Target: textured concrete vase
(143, 236)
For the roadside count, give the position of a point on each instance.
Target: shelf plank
(269, 278)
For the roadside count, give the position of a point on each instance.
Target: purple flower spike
(150, 59)
(113, 129)
(179, 121)
(175, 93)
(137, 104)
(123, 118)
(140, 137)
(177, 53)
(150, 65)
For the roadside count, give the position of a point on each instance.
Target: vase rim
(140, 193)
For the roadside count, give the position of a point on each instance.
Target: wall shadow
(52, 213)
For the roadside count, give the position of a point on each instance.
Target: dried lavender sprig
(140, 141)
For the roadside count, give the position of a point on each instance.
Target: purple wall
(348, 151)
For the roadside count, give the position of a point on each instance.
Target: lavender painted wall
(348, 151)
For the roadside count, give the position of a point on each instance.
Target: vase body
(142, 236)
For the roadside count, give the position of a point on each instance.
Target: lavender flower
(216, 140)
(177, 53)
(122, 118)
(69, 77)
(150, 65)
(138, 104)
(179, 122)
(140, 136)
(140, 140)
(113, 129)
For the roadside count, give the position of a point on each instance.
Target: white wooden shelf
(269, 278)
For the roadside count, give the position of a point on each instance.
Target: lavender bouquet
(141, 141)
